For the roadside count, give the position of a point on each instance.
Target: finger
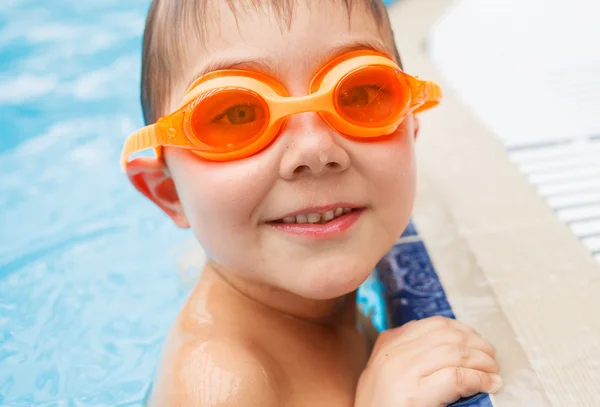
(471, 339)
(413, 330)
(476, 341)
(448, 385)
(455, 355)
(450, 324)
(439, 328)
(435, 324)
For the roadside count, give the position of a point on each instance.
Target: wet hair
(170, 22)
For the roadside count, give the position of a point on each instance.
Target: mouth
(315, 216)
(319, 223)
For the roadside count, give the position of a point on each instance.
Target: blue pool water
(83, 307)
(89, 273)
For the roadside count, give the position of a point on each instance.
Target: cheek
(391, 170)
(220, 201)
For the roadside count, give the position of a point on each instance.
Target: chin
(328, 279)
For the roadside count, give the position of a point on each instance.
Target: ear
(416, 126)
(151, 177)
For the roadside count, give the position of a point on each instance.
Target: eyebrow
(265, 64)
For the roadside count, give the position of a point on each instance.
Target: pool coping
(509, 266)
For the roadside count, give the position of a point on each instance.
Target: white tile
(583, 186)
(591, 172)
(586, 228)
(566, 151)
(580, 213)
(574, 199)
(593, 243)
(567, 163)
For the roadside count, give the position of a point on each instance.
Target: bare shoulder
(220, 371)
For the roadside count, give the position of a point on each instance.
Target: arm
(214, 373)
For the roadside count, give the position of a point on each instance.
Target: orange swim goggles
(233, 114)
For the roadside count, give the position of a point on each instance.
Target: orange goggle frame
(232, 114)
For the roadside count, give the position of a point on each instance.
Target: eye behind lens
(228, 119)
(371, 97)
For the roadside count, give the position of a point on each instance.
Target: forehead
(256, 39)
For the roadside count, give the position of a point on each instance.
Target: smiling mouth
(316, 217)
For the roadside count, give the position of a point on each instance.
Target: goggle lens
(228, 119)
(371, 97)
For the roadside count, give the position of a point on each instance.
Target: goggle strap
(426, 95)
(153, 136)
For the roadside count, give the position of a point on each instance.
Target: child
(286, 145)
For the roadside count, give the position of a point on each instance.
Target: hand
(428, 363)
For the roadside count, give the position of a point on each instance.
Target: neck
(335, 311)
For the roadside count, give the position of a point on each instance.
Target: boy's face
(230, 206)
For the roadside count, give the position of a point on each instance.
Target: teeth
(314, 218)
(301, 219)
(327, 216)
(317, 217)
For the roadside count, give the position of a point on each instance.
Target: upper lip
(318, 209)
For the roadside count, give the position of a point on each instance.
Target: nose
(312, 148)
